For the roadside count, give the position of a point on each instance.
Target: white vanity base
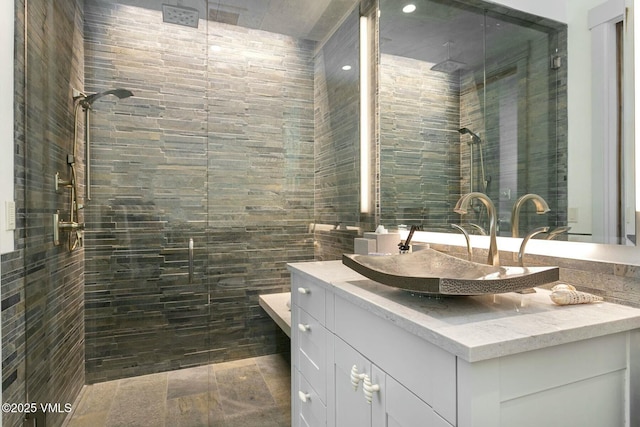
(470, 361)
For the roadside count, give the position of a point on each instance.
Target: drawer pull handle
(304, 397)
(304, 291)
(303, 328)
(356, 377)
(369, 388)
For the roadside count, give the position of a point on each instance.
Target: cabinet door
(352, 409)
(393, 405)
(403, 409)
(311, 411)
(425, 369)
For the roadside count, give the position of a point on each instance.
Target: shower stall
(183, 195)
(198, 185)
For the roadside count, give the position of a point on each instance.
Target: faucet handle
(406, 246)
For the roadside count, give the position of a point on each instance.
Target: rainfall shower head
(180, 15)
(448, 65)
(475, 139)
(87, 101)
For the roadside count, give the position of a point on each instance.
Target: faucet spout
(467, 239)
(526, 239)
(541, 208)
(553, 234)
(463, 206)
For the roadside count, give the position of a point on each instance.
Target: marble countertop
(276, 307)
(479, 327)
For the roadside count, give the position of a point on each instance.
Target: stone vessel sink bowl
(431, 272)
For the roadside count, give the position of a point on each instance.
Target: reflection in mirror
(337, 218)
(471, 99)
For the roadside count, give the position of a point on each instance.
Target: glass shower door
(146, 289)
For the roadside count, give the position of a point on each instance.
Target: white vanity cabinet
(414, 364)
(323, 393)
(367, 396)
(311, 353)
(512, 360)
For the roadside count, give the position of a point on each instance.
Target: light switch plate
(10, 214)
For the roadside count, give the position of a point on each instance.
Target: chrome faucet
(555, 233)
(466, 238)
(541, 208)
(526, 238)
(481, 230)
(463, 206)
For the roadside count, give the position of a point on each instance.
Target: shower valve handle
(60, 225)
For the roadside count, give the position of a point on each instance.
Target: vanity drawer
(312, 347)
(309, 296)
(312, 412)
(425, 369)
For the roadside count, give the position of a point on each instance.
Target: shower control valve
(66, 226)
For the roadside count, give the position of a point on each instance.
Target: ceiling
(304, 19)
(439, 29)
(464, 31)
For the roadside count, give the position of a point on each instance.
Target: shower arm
(87, 154)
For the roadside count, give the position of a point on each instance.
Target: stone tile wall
(216, 145)
(419, 143)
(42, 284)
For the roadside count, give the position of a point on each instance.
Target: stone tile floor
(245, 393)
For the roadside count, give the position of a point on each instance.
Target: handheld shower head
(87, 101)
(475, 139)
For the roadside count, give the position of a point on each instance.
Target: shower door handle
(191, 260)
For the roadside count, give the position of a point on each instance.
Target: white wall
(6, 119)
(552, 9)
(579, 114)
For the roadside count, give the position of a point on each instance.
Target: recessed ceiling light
(346, 67)
(409, 8)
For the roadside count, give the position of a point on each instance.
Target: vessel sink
(431, 272)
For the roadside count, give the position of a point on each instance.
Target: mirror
(473, 96)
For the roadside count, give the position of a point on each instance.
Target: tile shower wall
(419, 153)
(216, 145)
(42, 284)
